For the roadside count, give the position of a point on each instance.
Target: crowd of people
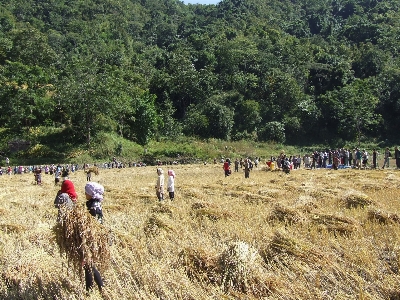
(324, 159)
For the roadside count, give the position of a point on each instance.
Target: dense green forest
(294, 71)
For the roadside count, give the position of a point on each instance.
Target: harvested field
(310, 234)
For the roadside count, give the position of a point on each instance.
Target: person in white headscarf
(94, 193)
(160, 184)
(171, 184)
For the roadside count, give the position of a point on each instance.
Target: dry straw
(286, 215)
(356, 200)
(336, 224)
(93, 169)
(382, 216)
(82, 239)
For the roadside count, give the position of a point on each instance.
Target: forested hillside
(294, 71)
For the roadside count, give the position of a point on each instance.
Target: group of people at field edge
(347, 158)
(330, 159)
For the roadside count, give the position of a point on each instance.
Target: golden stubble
(311, 234)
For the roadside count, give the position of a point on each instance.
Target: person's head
(160, 171)
(68, 187)
(171, 173)
(94, 190)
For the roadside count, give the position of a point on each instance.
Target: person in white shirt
(171, 184)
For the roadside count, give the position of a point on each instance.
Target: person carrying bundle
(82, 238)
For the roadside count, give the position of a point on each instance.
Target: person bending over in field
(94, 195)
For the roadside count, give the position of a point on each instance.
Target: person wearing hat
(94, 195)
(160, 184)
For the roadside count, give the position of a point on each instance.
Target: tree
(146, 118)
(84, 100)
(247, 116)
(353, 107)
(25, 96)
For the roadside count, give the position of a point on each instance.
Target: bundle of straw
(93, 169)
(82, 238)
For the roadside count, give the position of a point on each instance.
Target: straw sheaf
(13, 228)
(306, 203)
(241, 270)
(336, 224)
(93, 169)
(282, 246)
(200, 265)
(383, 217)
(209, 211)
(286, 215)
(82, 239)
(257, 199)
(356, 200)
(155, 225)
(162, 209)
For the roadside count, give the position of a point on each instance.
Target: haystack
(81, 238)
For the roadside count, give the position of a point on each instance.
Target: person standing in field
(227, 168)
(171, 184)
(247, 168)
(160, 184)
(397, 157)
(374, 156)
(386, 157)
(237, 165)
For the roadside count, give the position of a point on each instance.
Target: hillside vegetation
(304, 71)
(312, 234)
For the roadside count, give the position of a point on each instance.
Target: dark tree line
(294, 71)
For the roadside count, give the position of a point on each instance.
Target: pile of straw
(154, 226)
(286, 215)
(82, 238)
(240, 266)
(209, 211)
(200, 265)
(356, 200)
(237, 270)
(336, 224)
(383, 217)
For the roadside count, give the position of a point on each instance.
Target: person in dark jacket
(94, 195)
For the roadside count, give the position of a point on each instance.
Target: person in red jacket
(227, 168)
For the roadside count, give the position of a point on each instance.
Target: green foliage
(242, 69)
(273, 131)
(146, 119)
